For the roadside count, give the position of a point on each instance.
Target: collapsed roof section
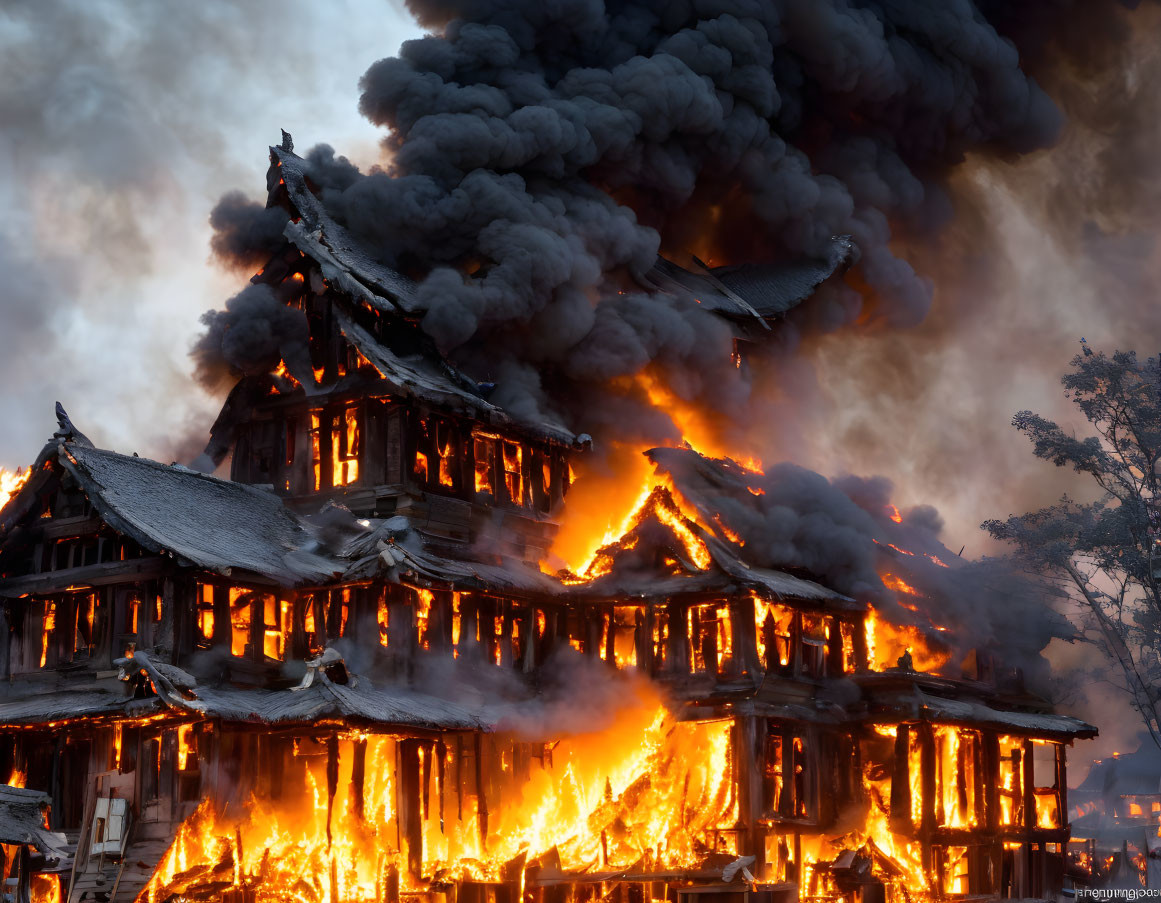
(748, 292)
(22, 820)
(317, 698)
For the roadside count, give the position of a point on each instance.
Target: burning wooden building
(342, 674)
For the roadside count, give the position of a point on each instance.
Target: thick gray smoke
(541, 154)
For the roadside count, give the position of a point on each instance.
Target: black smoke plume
(246, 234)
(540, 155)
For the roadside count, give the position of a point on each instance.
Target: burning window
(775, 782)
(48, 630)
(497, 635)
(484, 451)
(711, 643)
(383, 618)
(186, 748)
(423, 600)
(1047, 758)
(63, 629)
(1011, 788)
(850, 661)
(816, 630)
(445, 447)
(513, 456)
(914, 765)
(204, 616)
(786, 787)
(336, 441)
(310, 620)
(132, 613)
(660, 639)
(957, 777)
(275, 626)
(345, 444)
(241, 611)
(85, 609)
(622, 626)
(316, 443)
(775, 630)
(188, 764)
(421, 466)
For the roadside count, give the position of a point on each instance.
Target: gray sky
(121, 123)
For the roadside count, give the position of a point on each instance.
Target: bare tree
(1106, 554)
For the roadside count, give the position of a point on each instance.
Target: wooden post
(928, 784)
(679, 661)
(796, 645)
(749, 758)
(222, 629)
(834, 648)
(900, 784)
(990, 779)
(358, 775)
(1029, 815)
(481, 792)
(164, 639)
(332, 779)
(5, 641)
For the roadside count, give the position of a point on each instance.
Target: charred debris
(325, 678)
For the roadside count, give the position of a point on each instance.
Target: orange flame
(630, 795)
(11, 483)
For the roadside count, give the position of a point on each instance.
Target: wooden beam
(110, 572)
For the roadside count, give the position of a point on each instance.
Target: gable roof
(215, 524)
(698, 562)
